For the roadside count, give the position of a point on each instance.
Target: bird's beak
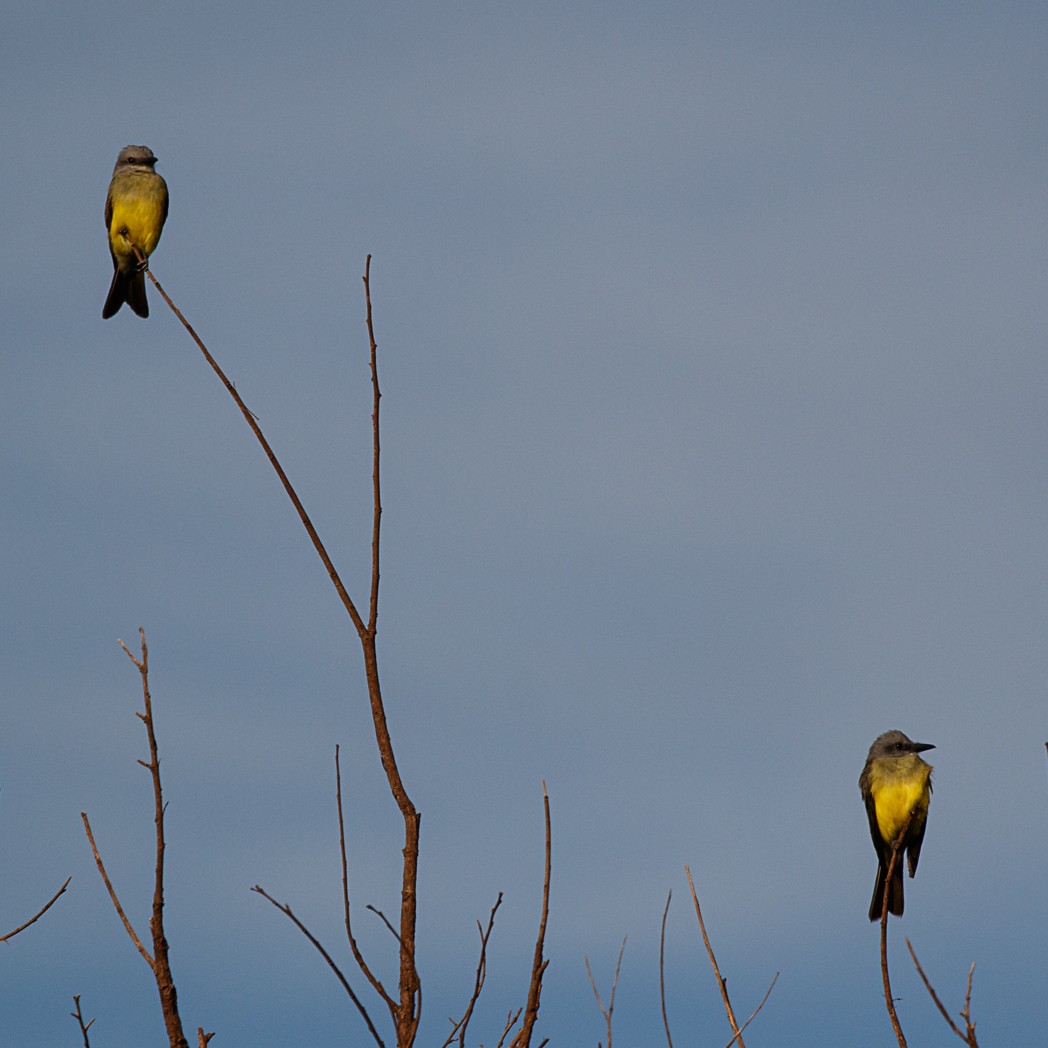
(920, 747)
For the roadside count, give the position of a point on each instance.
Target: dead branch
(756, 1011)
(32, 920)
(462, 1024)
(78, 1015)
(538, 967)
(609, 1011)
(158, 962)
(722, 983)
(662, 971)
(892, 863)
(287, 911)
(409, 1008)
(968, 1036)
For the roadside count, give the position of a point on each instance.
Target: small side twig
(609, 1011)
(78, 1015)
(538, 967)
(32, 920)
(968, 1036)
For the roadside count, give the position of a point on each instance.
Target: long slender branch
(112, 893)
(896, 858)
(662, 971)
(354, 947)
(722, 983)
(322, 552)
(409, 1009)
(538, 966)
(376, 480)
(287, 911)
(32, 920)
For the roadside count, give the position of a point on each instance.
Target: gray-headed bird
(136, 207)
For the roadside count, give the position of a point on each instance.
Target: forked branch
(408, 1009)
(968, 1034)
(158, 962)
(608, 1011)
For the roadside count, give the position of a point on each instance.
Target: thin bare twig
(287, 911)
(112, 893)
(662, 971)
(462, 1024)
(968, 1036)
(358, 956)
(609, 1011)
(756, 1011)
(511, 1021)
(78, 1015)
(32, 920)
(896, 858)
(538, 967)
(203, 1039)
(722, 983)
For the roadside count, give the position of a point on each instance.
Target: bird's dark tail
(895, 900)
(128, 286)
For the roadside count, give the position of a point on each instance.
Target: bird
(894, 783)
(136, 208)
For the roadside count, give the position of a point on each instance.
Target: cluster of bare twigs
(404, 1002)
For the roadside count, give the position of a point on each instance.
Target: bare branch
(968, 1036)
(896, 858)
(376, 523)
(203, 1039)
(461, 1026)
(78, 1015)
(287, 911)
(538, 967)
(410, 1003)
(756, 1011)
(112, 893)
(722, 984)
(357, 954)
(662, 971)
(32, 920)
(511, 1021)
(609, 1011)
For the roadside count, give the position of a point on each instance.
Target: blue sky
(712, 344)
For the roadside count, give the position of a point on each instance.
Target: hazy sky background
(713, 351)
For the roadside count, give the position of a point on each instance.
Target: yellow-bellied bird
(894, 783)
(136, 207)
